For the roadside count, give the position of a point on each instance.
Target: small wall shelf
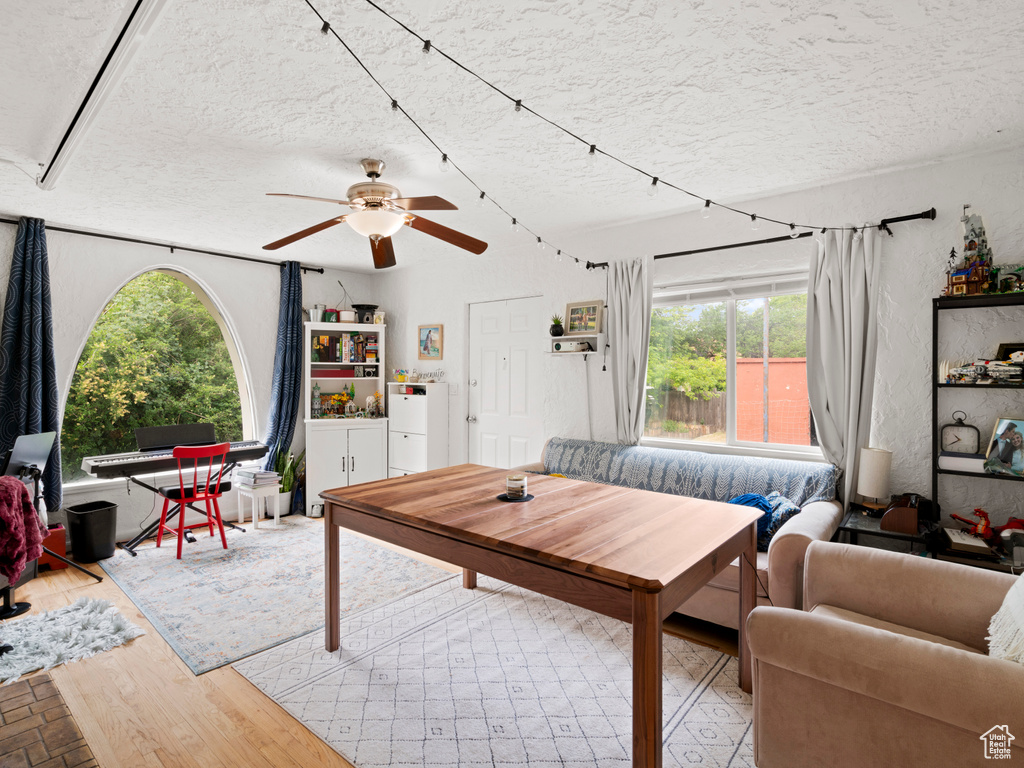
(595, 340)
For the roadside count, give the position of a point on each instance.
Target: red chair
(205, 486)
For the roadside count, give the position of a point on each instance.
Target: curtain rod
(318, 270)
(882, 225)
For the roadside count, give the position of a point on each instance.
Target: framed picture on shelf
(583, 318)
(1005, 454)
(1005, 350)
(431, 342)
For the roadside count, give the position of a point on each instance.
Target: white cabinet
(418, 428)
(343, 452)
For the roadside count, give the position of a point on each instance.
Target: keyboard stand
(130, 546)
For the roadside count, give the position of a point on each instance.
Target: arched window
(159, 354)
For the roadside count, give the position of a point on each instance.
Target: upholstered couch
(887, 665)
(718, 477)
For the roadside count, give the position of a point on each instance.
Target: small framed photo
(431, 342)
(1005, 350)
(1005, 455)
(378, 318)
(583, 318)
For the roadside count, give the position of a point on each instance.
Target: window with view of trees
(687, 372)
(156, 356)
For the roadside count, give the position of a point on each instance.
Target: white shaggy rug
(74, 632)
(449, 677)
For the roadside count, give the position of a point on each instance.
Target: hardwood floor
(139, 706)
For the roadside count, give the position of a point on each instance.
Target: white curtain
(842, 342)
(630, 288)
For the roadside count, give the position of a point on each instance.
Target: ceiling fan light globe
(375, 222)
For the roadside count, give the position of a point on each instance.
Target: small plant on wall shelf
(556, 328)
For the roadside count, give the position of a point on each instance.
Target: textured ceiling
(729, 98)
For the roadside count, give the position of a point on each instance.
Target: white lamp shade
(873, 475)
(372, 222)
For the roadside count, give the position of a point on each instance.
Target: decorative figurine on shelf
(314, 402)
(972, 275)
(982, 528)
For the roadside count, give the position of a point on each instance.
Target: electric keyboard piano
(155, 455)
(147, 462)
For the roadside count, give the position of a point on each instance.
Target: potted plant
(287, 466)
(556, 328)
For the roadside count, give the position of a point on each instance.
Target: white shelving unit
(342, 451)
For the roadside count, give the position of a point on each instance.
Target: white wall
(913, 272)
(86, 272)
(443, 292)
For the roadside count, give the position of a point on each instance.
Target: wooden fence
(709, 414)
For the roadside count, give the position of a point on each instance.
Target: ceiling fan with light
(379, 212)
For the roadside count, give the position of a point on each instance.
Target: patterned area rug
(216, 605)
(499, 676)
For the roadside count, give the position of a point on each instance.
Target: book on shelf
(962, 462)
(962, 541)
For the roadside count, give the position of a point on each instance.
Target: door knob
(471, 419)
(472, 382)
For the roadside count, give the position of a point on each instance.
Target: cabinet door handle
(352, 463)
(343, 464)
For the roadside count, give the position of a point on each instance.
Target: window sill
(792, 453)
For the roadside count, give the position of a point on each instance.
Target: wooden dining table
(630, 554)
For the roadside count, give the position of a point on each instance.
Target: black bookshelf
(945, 303)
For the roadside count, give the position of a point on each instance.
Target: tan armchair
(886, 665)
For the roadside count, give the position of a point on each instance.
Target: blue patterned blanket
(711, 476)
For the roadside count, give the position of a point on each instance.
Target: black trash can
(93, 529)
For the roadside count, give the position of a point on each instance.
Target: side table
(856, 523)
(256, 494)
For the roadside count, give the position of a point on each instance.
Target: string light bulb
(540, 244)
(325, 28)
(705, 212)
(792, 231)
(652, 191)
(592, 156)
(580, 264)
(482, 200)
(426, 46)
(515, 224)
(558, 255)
(518, 113)
(443, 165)
(754, 223)
(394, 105)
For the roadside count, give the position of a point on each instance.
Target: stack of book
(962, 462)
(254, 478)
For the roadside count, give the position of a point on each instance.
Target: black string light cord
(445, 157)
(656, 181)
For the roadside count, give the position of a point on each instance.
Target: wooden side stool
(256, 494)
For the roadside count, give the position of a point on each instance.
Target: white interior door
(506, 340)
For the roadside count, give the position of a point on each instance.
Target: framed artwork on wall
(1006, 449)
(583, 318)
(430, 340)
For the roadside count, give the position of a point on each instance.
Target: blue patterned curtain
(28, 371)
(284, 395)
